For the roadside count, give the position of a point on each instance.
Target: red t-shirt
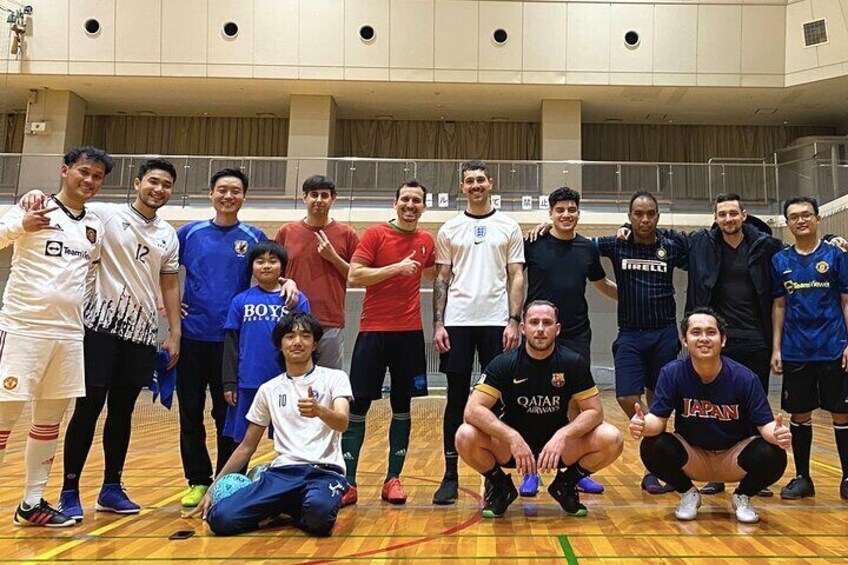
(394, 304)
(316, 277)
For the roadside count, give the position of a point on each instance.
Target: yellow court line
(836, 470)
(120, 522)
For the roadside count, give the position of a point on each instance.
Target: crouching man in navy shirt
(724, 427)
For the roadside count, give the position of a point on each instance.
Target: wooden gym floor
(624, 526)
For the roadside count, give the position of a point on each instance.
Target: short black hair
(720, 323)
(540, 303)
(642, 194)
(91, 153)
(474, 165)
(563, 194)
(157, 164)
(411, 183)
(317, 182)
(229, 173)
(801, 200)
(729, 197)
(296, 321)
(267, 246)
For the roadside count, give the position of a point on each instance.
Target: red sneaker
(350, 497)
(393, 492)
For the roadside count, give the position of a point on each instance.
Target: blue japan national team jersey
(814, 327)
(711, 416)
(215, 260)
(254, 313)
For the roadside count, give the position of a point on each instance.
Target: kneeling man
(532, 386)
(724, 430)
(308, 407)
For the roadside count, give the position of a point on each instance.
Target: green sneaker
(193, 496)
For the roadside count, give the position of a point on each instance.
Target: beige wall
(741, 43)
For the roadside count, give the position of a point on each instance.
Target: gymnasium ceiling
(817, 103)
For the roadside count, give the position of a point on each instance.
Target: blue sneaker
(529, 486)
(113, 499)
(70, 505)
(589, 486)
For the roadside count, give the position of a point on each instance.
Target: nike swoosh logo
(519, 381)
(786, 272)
(477, 242)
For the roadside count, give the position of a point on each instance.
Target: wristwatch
(516, 317)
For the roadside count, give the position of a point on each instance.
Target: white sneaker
(690, 501)
(745, 512)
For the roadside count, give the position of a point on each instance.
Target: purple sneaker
(651, 484)
(589, 486)
(529, 486)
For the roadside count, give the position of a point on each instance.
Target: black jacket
(705, 263)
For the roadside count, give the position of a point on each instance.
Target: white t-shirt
(135, 252)
(478, 249)
(52, 271)
(299, 440)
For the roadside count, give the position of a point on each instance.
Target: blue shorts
(236, 424)
(310, 494)
(639, 355)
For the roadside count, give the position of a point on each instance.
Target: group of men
(536, 407)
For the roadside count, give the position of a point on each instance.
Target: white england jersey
(478, 249)
(52, 272)
(135, 252)
(299, 440)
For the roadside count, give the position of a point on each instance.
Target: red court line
(418, 541)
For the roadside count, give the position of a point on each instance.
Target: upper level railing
(820, 170)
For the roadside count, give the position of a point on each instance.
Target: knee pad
(760, 454)
(665, 447)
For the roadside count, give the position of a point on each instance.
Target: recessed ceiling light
(765, 111)
(384, 117)
(499, 119)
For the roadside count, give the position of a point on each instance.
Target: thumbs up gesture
(782, 434)
(308, 406)
(408, 266)
(637, 423)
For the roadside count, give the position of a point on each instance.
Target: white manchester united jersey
(52, 271)
(135, 252)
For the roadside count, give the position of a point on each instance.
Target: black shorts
(114, 362)
(580, 344)
(817, 384)
(401, 352)
(487, 341)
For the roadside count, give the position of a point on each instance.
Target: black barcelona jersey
(535, 393)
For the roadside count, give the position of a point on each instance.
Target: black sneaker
(567, 496)
(712, 488)
(799, 487)
(448, 491)
(765, 493)
(500, 495)
(42, 514)
(843, 489)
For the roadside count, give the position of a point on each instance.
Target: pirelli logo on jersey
(649, 265)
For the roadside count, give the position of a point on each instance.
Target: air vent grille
(815, 33)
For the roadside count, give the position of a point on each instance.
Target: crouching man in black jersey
(531, 387)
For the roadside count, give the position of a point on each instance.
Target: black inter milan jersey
(534, 393)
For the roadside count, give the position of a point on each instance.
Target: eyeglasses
(795, 218)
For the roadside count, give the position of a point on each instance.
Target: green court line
(567, 550)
